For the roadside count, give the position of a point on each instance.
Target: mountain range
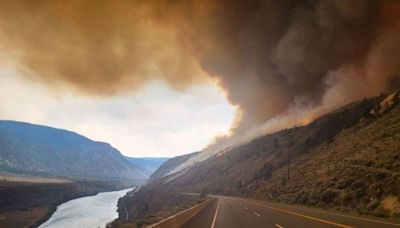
(28, 149)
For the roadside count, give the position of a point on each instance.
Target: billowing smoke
(282, 63)
(271, 56)
(96, 47)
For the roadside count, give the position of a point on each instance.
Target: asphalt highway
(233, 212)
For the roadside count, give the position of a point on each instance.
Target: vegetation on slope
(346, 160)
(359, 170)
(27, 149)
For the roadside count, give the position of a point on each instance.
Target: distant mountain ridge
(30, 149)
(147, 164)
(169, 165)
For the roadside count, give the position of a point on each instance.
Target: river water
(91, 211)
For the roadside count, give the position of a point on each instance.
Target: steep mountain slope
(38, 150)
(169, 165)
(360, 169)
(346, 160)
(147, 165)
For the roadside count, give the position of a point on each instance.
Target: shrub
(328, 196)
(203, 192)
(283, 181)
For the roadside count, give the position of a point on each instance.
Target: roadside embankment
(142, 208)
(178, 220)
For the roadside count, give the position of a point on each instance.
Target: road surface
(232, 212)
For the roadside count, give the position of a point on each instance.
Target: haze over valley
(200, 113)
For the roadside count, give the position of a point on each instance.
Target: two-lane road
(235, 212)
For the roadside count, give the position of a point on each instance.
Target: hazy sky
(157, 121)
(138, 74)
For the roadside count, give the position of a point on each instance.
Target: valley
(199, 113)
(29, 204)
(352, 154)
(43, 167)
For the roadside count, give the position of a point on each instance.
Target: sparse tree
(290, 145)
(246, 175)
(203, 192)
(396, 97)
(283, 181)
(275, 143)
(267, 171)
(240, 186)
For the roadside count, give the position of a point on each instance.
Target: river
(91, 211)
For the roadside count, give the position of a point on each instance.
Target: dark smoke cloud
(274, 58)
(99, 47)
(269, 55)
(277, 57)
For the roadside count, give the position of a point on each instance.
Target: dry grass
(359, 171)
(22, 218)
(32, 179)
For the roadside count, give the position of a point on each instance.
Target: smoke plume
(96, 47)
(282, 63)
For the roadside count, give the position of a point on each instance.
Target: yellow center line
(303, 216)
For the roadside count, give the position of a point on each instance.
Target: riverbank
(28, 204)
(89, 211)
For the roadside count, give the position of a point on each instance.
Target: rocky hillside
(347, 160)
(27, 149)
(359, 170)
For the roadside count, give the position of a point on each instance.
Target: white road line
(358, 218)
(215, 216)
(279, 226)
(256, 214)
(301, 215)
